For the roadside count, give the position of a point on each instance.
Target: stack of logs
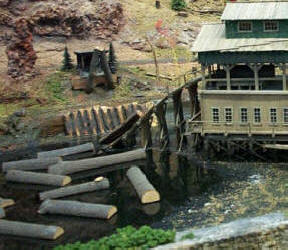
(57, 171)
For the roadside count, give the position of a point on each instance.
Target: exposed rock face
(19, 50)
(69, 21)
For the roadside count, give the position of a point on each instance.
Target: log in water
(37, 178)
(75, 189)
(77, 208)
(63, 168)
(145, 191)
(67, 151)
(2, 213)
(31, 164)
(30, 230)
(6, 202)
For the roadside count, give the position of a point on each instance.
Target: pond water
(193, 194)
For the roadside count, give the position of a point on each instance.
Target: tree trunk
(67, 151)
(75, 189)
(6, 202)
(145, 191)
(70, 167)
(77, 208)
(37, 178)
(30, 230)
(31, 164)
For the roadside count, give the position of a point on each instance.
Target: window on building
(244, 115)
(273, 115)
(270, 26)
(245, 26)
(285, 115)
(215, 114)
(257, 115)
(228, 115)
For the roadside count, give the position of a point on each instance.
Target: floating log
(276, 146)
(37, 178)
(31, 164)
(30, 230)
(77, 208)
(75, 189)
(63, 168)
(146, 192)
(2, 213)
(67, 151)
(6, 202)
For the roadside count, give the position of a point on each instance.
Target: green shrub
(178, 4)
(126, 238)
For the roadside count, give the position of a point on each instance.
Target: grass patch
(55, 86)
(126, 238)
(188, 236)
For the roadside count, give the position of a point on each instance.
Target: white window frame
(247, 117)
(285, 121)
(273, 116)
(225, 115)
(212, 111)
(270, 30)
(254, 115)
(245, 31)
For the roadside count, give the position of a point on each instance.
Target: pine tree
(112, 61)
(67, 61)
(178, 4)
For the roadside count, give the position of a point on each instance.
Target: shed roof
(212, 38)
(255, 11)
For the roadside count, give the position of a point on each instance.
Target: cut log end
(98, 179)
(150, 196)
(59, 232)
(112, 211)
(6, 203)
(66, 180)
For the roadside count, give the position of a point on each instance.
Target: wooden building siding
(242, 99)
(209, 58)
(257, 30)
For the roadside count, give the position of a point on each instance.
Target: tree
(67, 61)
(112, 61)
(178, 4)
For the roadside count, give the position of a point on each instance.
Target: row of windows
(257, 116)
(268, 26)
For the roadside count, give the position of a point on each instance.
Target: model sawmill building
(243, 60)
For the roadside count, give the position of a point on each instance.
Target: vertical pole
(164, 134)
(146, 139)
(284, 77)
(203, 76)
(256, 76)
(228, 76)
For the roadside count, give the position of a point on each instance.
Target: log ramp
(96, 185)
(30, 230)
(77, 208)
(144, 189)
(37, 178)
(64, 167)
(6, 202)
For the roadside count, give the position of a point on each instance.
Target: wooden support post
(256, 67)
(203, 76)
(179, 117)
(284, 77)
(194, 103)
(145, 131)
(160, 111)
(227, 68)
